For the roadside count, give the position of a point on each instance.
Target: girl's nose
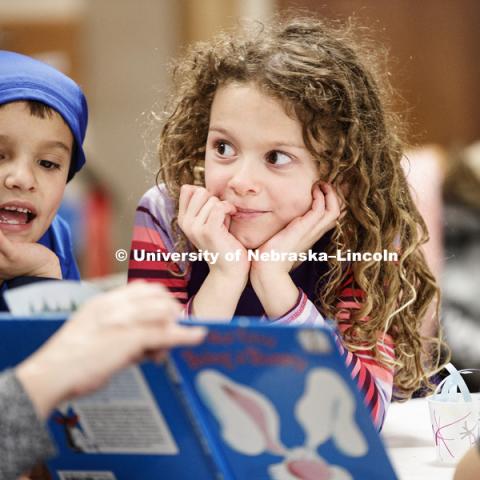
(245, 179)
(20, 177)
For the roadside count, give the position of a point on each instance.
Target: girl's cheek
(301, 206)
(215, 184)
(214, 189)
(210, 184)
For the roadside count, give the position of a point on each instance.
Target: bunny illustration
(250, 424)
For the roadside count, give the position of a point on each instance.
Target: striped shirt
(152, 234)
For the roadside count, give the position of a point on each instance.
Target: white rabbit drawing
(250, 423)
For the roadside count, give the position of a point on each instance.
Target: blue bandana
(24, 78)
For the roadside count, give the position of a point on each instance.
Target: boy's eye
(224, 149)
(49, 165)
(278, 158)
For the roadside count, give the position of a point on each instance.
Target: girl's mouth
(247, 213)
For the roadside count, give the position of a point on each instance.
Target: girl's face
(256, 159)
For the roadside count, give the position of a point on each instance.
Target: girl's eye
(49, 165)
(224, 149)
(278, 158)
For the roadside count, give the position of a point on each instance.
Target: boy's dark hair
(39, 109)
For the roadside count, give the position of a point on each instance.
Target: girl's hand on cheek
(205, 220)
(302, 232)
(27, 259)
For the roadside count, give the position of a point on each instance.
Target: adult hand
(110, 332)
(31, 259)
(205, 220)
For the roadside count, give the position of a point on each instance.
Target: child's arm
(278, 294)
(152, 234)
(374, 380)
(205, 221)
(271, 279)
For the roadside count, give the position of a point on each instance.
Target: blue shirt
(57, 239)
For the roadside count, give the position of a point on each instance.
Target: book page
(82, 475)
(50, 296)
(123, 417)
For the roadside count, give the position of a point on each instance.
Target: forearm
(24, 440)
(374, 381)
(152, 234)
(43, 384)
(277, 293)
(218, 297)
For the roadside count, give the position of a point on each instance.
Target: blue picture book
(252, 402)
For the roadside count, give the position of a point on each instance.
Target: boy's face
(34, 161)
(257, 160)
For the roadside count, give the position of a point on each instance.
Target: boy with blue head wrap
(43, 120)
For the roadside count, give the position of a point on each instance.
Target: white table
(407, 434)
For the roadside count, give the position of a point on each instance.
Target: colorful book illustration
(252, 402)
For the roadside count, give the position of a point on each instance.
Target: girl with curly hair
(278, 139)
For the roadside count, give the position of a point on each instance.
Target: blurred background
(119, 50)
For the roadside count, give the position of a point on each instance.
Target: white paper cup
(455, 426)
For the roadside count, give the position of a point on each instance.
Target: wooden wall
(58, 38)
(435, 61)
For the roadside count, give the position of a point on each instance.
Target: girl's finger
(332, 202)
(318, 204)
(197, 201)
(312, 218)
(205, 211)
(186, 193)
(220, 215)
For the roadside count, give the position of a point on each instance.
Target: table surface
(408, 438)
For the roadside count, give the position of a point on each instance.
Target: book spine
(214, 457)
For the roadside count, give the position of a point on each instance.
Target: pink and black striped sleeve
(374, 380)
(151, 235)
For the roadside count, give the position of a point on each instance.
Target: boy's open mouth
(12, 215)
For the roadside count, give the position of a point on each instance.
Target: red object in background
(98, 222)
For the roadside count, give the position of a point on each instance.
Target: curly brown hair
(332, 83)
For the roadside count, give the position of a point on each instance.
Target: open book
(252, 402)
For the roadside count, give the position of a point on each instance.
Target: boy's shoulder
(58, 238)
